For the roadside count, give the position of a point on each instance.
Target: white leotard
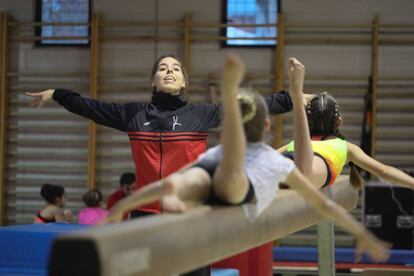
(264, 167)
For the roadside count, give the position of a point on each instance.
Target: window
(250, 12)
(63, 11)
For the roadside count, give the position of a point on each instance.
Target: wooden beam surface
(177, 243)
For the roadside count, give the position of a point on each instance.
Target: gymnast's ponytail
(254, 114)
(354, 176)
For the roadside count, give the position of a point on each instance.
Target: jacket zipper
(160, 172)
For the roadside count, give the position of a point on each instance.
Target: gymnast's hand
(296, 78)
(232, 72)
(68, 215)
(40, 98)
(377, 249)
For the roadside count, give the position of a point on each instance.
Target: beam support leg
(326, 245)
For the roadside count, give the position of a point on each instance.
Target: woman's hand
(40, 98)
(377, 249)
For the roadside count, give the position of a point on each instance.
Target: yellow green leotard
(333, 152)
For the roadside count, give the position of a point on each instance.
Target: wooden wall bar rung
(140, 38)
(396, 26)
(396, 78)
(47, 74)
(112, 24)
(395, 41)
(38, 38)
(338, 40)
(329, 25)
(331, 40)
(130, 74)
(39, 24)
(223, 25)
(40, 87)
(225, 38)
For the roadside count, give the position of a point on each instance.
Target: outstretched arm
(280, 102)
(303, 146)
(107, 114)
(229, 181)
(388, 173)
(329, 209)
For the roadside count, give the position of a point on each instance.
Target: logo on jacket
(175, 122)
(147, 123)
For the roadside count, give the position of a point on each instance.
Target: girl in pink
(93, 213)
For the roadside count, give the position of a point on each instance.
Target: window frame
(223, 30)
(38, 29)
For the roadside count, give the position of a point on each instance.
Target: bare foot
(172, 203)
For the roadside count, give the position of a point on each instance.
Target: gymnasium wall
(337, 59)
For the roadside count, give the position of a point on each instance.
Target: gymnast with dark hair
(319, 150)
(54, 211)
(93, 213)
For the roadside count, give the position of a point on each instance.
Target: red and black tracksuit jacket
(165, 134)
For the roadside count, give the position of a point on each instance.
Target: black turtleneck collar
(167, 101)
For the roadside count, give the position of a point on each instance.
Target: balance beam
(175, 243)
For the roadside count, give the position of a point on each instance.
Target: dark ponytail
(354, 176)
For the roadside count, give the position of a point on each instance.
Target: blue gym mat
(342, 255)
(25, 249)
